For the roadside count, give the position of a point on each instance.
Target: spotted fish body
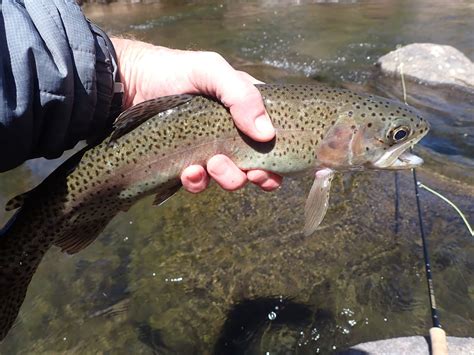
(319, 130)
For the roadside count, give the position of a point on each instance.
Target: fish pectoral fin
(317, 201)
(80, 235)
(164, 194)
(140, 113)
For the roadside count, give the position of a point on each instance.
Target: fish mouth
(397, 158)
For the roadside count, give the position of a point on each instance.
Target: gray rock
(415, 345)
(429, 63)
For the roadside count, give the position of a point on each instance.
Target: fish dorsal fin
(317, 201)
(16, 202)
(136, 115)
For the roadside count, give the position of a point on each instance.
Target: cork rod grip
(439, 344)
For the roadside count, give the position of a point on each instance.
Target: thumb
(250, 115)
(236, 90)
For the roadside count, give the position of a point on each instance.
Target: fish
(320, 131)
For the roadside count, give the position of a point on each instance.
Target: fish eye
(400, 133)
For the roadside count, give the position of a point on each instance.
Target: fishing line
(426, 257)
(424, 242)
(397, 204)
(449, 202)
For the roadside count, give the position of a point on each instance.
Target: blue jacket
(57, 74)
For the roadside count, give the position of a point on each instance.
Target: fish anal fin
(318, 200)
(80, 235)
(140, 113)
(16, 202)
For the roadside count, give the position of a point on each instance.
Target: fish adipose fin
(135, 116)
(63, 170)
(16, 202)
(317, 201)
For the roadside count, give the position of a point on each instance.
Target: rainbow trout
(319, 131)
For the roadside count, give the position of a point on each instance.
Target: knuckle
(213, 57)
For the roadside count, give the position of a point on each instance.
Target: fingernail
(194, 178)
(256, 176)
(264, 125)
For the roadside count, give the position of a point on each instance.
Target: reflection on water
(232, 272)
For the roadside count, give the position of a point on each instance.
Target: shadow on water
(186, 277)
(252, 323)
(153, 338)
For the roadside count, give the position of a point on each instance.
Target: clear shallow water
(226, 272)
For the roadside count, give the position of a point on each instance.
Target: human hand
(149, 71)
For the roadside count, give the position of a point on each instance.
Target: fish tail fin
(12, 295)
(18, 262)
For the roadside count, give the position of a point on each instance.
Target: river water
(232, 273)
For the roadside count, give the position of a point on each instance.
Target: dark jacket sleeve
(57, 74)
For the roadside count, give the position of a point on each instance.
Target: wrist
(148, 71)
(129, 54)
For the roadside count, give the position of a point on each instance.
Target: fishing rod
(437, 334)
